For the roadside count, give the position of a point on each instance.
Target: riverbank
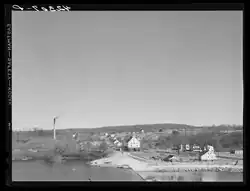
(193, 176)
(126, 160)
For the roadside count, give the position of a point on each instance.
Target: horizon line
(216, 125)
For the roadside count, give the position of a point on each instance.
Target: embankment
(126, 160)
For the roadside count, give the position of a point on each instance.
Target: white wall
(133, 143)
(209, 156)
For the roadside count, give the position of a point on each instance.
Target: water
(69, 171)
(79, 171)
(195, 176)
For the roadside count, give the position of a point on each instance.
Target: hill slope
(136, 128)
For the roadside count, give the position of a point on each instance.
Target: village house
(238, 130)
(209, 155)
(227, 131)
(187, 147)
(168, 150)
(237, 152)
(118, 142)
(154, 137)
(175, 147)
(205, 148)
(102, 137)
(196, 148)
(96, 143)
(181, 147)
(169, 131)
(133, 143)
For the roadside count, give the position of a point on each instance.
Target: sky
(106, 68)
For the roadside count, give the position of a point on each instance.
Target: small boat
(107, 162)
(26, 158)
(16, 150)
(33, 150)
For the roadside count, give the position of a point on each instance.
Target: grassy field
(45, 147)
(228, 155)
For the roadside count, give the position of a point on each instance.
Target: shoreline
(126, 160)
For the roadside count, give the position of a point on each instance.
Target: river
(194, 176)
(69, 171)
(79, 171)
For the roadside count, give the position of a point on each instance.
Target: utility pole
(54, 127)
(18, 132)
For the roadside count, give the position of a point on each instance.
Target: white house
(134, 143)
(118, 143)
(181, 147)
(205, 148)
(113, 135)
(239, 152)
(209, 155)
(196, 148)
(210, 148)
(95, 143)
(187, 147)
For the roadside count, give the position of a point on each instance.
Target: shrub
(60, 147)
(103, 146)
(40, 132)
(174, 132)
(233, 140)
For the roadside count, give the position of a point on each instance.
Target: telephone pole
(54, 126)
(18, 132)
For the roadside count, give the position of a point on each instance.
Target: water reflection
(68, 171)
(42, 170)
(195, 176)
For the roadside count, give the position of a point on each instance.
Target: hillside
(221, 142)
(145, 127)
(157, 127)
(137, 128)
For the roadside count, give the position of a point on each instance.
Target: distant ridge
(150, 128)
(137, 127)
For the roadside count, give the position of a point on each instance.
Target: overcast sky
(130, 67)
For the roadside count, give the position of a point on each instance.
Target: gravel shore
(126, 160)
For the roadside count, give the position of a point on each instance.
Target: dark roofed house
(127, 139)
(119, 139)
